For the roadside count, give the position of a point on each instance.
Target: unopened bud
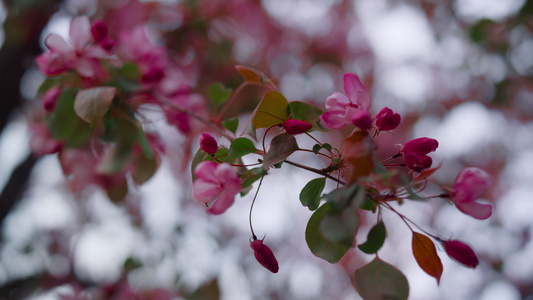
(208, 143)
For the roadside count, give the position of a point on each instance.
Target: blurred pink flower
(264, 256)
(343, 108)
(469, 185)
(461, 252)
(50, 98)
(79, 55)
(216, 185)
(415, 153)
(135, 46)
(387, 119)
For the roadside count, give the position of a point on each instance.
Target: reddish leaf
(357, 152)
(255, 77)
(426, 255)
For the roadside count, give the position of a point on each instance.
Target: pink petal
(205, 191)
(80, 32)
(332, 120)
(86, 67)
(56, 43)
(337, 102)
(206, 171)
(475, 209)
(224, 201)
(356, 92)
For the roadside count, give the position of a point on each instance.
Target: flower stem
(252, 206)
(320, 172)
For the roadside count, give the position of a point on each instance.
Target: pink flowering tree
(118, 74)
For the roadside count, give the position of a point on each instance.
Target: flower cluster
(92, 108)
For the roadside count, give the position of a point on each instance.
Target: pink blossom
(343, 108)
(415, 153)
(362, 120)
(216, 185)
(293, 126)
(469, 185)
(208, 143)
(78, 55)
(50, 98)
(42, 142)
(264, 256)
(387, 119)
(135, 46)
(461, 252)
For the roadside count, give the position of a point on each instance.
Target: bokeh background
(458, 71)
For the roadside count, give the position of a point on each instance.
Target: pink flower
(264, 256)
(387, 119)
(99, 33)
(415, 153)
(362, 120)
(135, 46)
(216, 185)
(78, 55)
(342, 108)
(461, 252)
(293, 126)
(469, 185)
(50, 98)
(208, 143)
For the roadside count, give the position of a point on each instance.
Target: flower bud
(461, 253)
(264, 256)
(208, 143)
(362, 120)
(99, 31)
(50, 98)
(415, 153)
(387, 119)
(293, 126)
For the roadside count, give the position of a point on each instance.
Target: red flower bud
(461, 253)
(264, 256)
(415, 153)
(99, 31)
(50, 98)
(362, 119)
(208, 143)
(293, 126)
(387, 119)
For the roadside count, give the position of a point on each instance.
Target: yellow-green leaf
(426, 255)
(92, 104)
(272, 110)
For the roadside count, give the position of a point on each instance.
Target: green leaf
(426, 255)
(272, 110)
(251, 176)
(319, 245)
(379, 280)
(340, 226)
(306, 112)
(64, 123)
(218, 93)
(281, 147)
(317, 147)
(208, 291)
(145, 168)
(92, 104)
(368, 205)
(310, 194)
(253, 76)
(118, 156)
(375, 238)
(240, 147)
(145, 145)
(231, 124)
(345, 196)
(118, 191)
